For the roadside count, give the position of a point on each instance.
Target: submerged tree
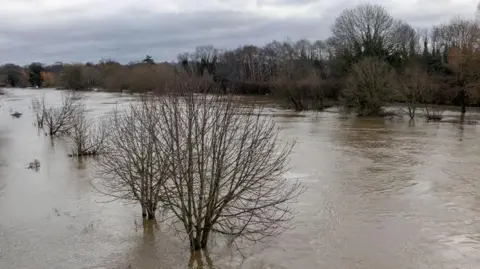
(87, 137)
(433, 111)
(226, 167)
(212, 165)
(412, 85)
(59, 119)
(369, 87)
(133, 166)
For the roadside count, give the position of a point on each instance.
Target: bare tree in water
(412, 85)
(59, 119)
(433, 111)
(38, 108)
(133, 167)
(226, 167)
(87, 137)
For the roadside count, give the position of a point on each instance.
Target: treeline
(306, 73)
(106, 75)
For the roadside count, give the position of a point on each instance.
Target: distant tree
(54, 68)
(13, 78)
(35, 74)
(147, 77)
(148, 60)
(72, 77)
(3, 81)
(12, 75)
(48, 79)
(462, 40)
(369, 31)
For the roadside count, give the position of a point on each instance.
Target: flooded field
(384, 194)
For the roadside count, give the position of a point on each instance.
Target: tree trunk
(195, 243)
(144, 212)
(151, 211)
(462, 101)
(206, 234)
(196, 257)
(322, 105)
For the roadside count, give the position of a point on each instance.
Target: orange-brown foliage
(48, 79)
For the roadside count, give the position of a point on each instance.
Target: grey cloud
(287, 2)
(129, 38)
(130, 35)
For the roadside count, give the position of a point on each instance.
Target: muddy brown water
(383, 194)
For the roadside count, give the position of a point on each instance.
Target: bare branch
(59, 119)
(86, 136)
(225, 167)
(411, 88)
(132, 167)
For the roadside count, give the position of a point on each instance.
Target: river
(384, 194)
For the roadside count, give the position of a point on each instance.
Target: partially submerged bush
(304, 94)
(369, 87)
(87, 137)
(433, 112)
(411, 88)
(430, 96)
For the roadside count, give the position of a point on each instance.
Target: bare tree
(301, 93)
(405, 40)
(80, 77)
(431, 107)
(369, 87)
(411, 87)
(133, 168)
(38, 108)
(226, 167)
(59, 119)
(87, 137)
(366, 29)
(464, 38)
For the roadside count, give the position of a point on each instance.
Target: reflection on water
(383, 194)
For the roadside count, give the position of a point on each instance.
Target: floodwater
(384, 194)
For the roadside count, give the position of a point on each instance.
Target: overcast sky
(127, 30)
